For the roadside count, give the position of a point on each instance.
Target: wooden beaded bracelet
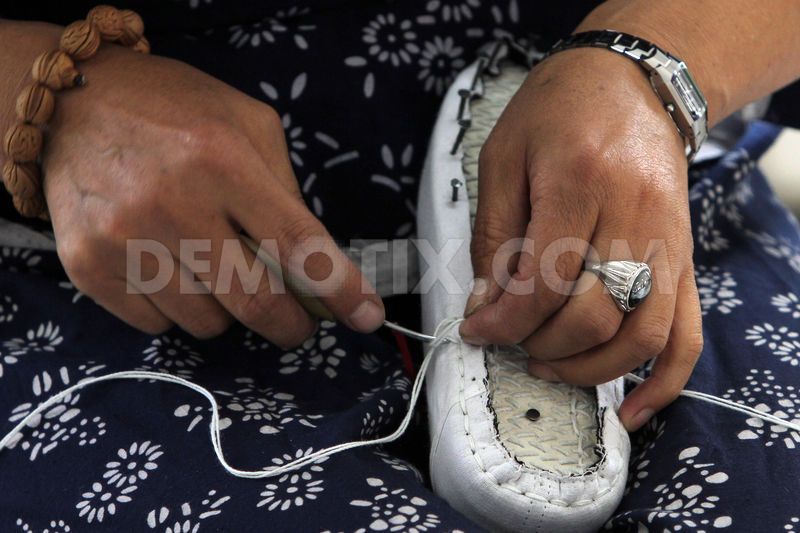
(54, 71)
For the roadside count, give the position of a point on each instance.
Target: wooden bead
(108, 22)
(22, 179)
(56, 70)
(35, 104)
(80, 40)
(23, 142)
(31, 207)
(142, 46)
(133, 28)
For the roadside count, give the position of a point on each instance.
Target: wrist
(654, 24)
(20, 43)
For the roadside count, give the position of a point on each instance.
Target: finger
(672, 367)
(246, 289)
(308, 254)
(588, 319)
(642, 336)
(188, 304)
(556, 243)
(502, 214)
(121, 299)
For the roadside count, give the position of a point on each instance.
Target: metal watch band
(668, 74)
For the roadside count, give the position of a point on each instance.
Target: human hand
(154, 149)
(584, 159)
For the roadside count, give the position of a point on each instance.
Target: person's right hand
(152, 148)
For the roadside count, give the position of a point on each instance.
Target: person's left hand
(584, 155)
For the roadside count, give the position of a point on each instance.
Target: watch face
(689, 93)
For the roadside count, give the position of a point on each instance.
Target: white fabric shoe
(565, 470)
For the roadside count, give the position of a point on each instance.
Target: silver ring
(628, 282)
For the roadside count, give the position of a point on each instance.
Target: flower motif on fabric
(783, 342)
(196, 414)
(398, 464)
(172, 355)
(793, 524)
(53, 526)
(455, 10)
(43, 338)
(778, 247)
(8, 309)
(716, 289)
(763, 393)
(61, 422)
(439, 63)
(787, 303)
(254, 342)
(397, 381)
(370, 363)
(69, 286)
(189, 516)
(708, 236)
(121, 478)
(501, 19)
(316, 353)
(389, 40)
(396, 510)
(398, 175)
(372, 424)
(270, 29)
(687, 501)
(644, 442)
(15, 259)
(295, 488)
(273, 410)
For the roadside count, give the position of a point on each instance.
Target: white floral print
(439, 63)
(455, 10)
(14, 259)
(716, 289)
(395, 510)
(43, 338)
(372, 424)
(295, 488)
(189, 516)
(398, 464)
(371, 364)
(783, 342)
(54, 526)
(61, 422)
(397, 381)
(268, 30)
(172, 354)
(785, 404)
(196, 414)
(787, 303)
(778, 247)
(8, 308)
(389, 40)
(273, 410)
(122, 477)
(316, 353)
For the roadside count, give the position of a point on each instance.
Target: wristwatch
(669, 77)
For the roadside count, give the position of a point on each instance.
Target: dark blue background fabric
(135, 456)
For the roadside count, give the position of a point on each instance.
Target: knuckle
(256, 310)
(78, 257)
(602, 325)
(271, 118)
(296, 232)
(694, 345)
(206, 325)
(651, 339)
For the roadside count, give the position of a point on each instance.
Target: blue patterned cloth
(135, 456)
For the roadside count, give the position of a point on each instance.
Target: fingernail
(477, 341)
(480, 288)
(639, 419)
(367, 317)
(543, 372)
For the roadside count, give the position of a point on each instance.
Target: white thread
(728, 404)
(439, 337)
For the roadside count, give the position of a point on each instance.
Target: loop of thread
(440, 336)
